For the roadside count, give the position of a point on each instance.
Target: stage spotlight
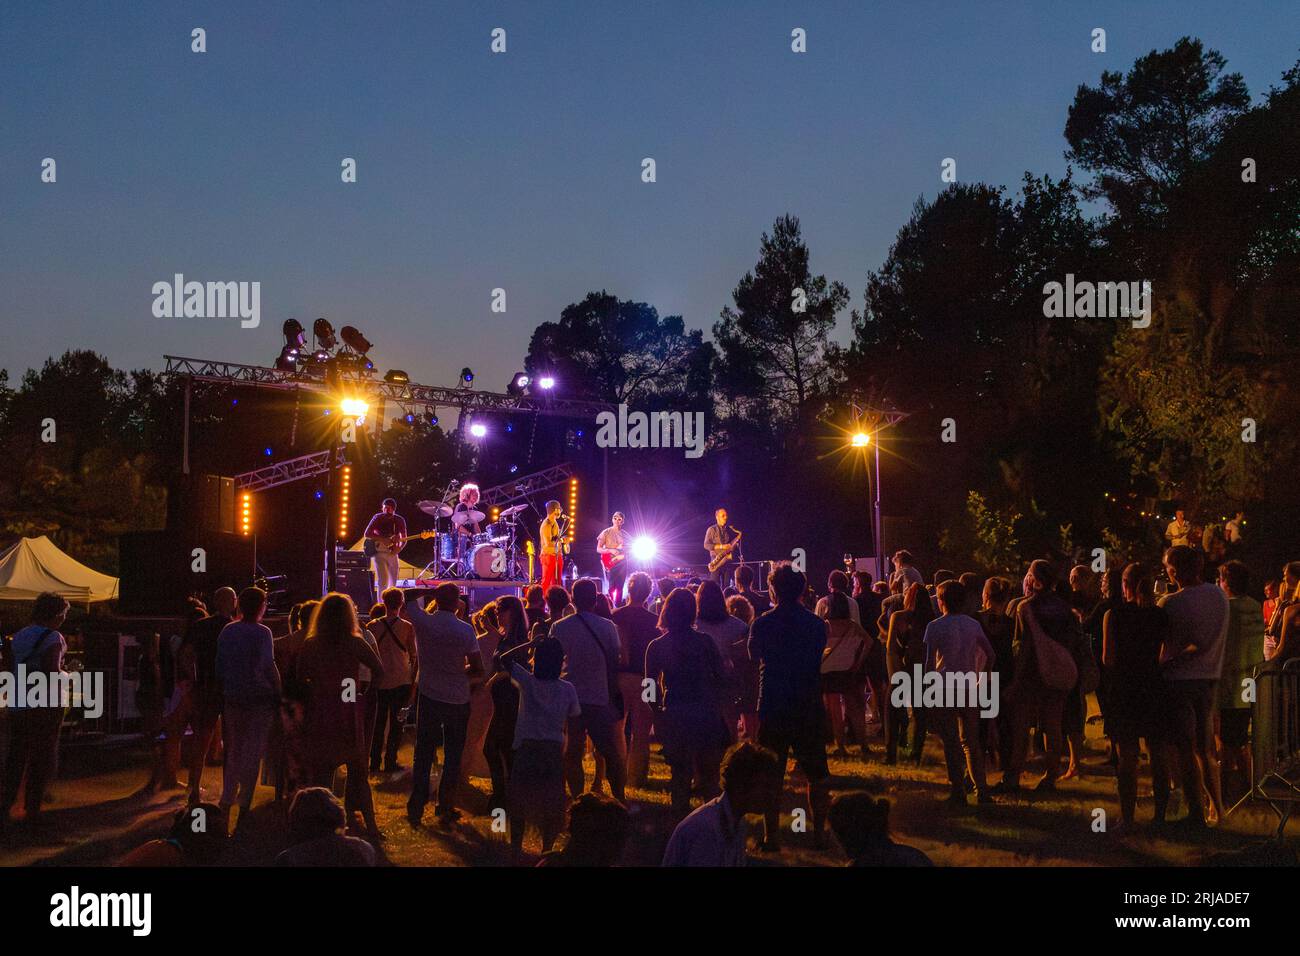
(354, 408)
(478, 430)
(355, 340)
(546, 382)
(644, 548)
(431, 418)
(513, 469)
(518, 384)
(409, 418)
(288, 360)
(268, 451)
(324, 333)
(466, 377)
(293, 337)
(861, 440)
(395, 376)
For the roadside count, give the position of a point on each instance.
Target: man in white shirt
(1233, 529)
(611, 545)
(591, 653)
(1191, 663)
(1179, 531)
(447, 655)
(714, 833)
(905, 571)
(955, 644)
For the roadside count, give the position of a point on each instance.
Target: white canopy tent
(34, 565)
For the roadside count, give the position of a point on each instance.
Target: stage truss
(292, 469)
(409, 395)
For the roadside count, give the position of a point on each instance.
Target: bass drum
(488, 562)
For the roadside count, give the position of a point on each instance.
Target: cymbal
(467, 517)
(513, 510)
(435, 508)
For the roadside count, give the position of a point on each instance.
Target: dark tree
(607, 349)
(774, 345)
(1141, 133)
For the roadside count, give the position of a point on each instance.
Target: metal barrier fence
(1275, 740)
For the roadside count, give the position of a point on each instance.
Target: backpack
(1055, 662)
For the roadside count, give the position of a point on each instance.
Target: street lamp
(862, 440)
(878, 416)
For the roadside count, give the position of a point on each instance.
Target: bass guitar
(387, 544)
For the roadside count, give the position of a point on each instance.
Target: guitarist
(388, 531)
(611, 545)
(720, 541)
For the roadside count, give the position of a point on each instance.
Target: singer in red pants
(552, 571)
(552, 536)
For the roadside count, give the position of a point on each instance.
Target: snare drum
(488, 561)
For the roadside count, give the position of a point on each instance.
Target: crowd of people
(731, 682)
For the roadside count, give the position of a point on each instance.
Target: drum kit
(490, 555)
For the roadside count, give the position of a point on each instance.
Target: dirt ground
(96, 816)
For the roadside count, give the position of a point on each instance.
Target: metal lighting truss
(292, 469)
(408, 395)
(522, 488)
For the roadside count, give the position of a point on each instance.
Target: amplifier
(355, 582)
(351, 560)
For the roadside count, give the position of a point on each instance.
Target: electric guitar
(387, 544)
(722, 553)
(612, 558)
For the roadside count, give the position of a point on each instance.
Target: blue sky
(520, 170)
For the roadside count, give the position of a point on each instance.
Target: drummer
(466, 517)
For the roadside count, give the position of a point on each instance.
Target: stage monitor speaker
(356, 583)
(161, 569)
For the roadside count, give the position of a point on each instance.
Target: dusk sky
(520, 170)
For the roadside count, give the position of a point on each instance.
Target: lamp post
(862, 439)
(870, 440)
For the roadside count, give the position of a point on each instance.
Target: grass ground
(97, 816)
